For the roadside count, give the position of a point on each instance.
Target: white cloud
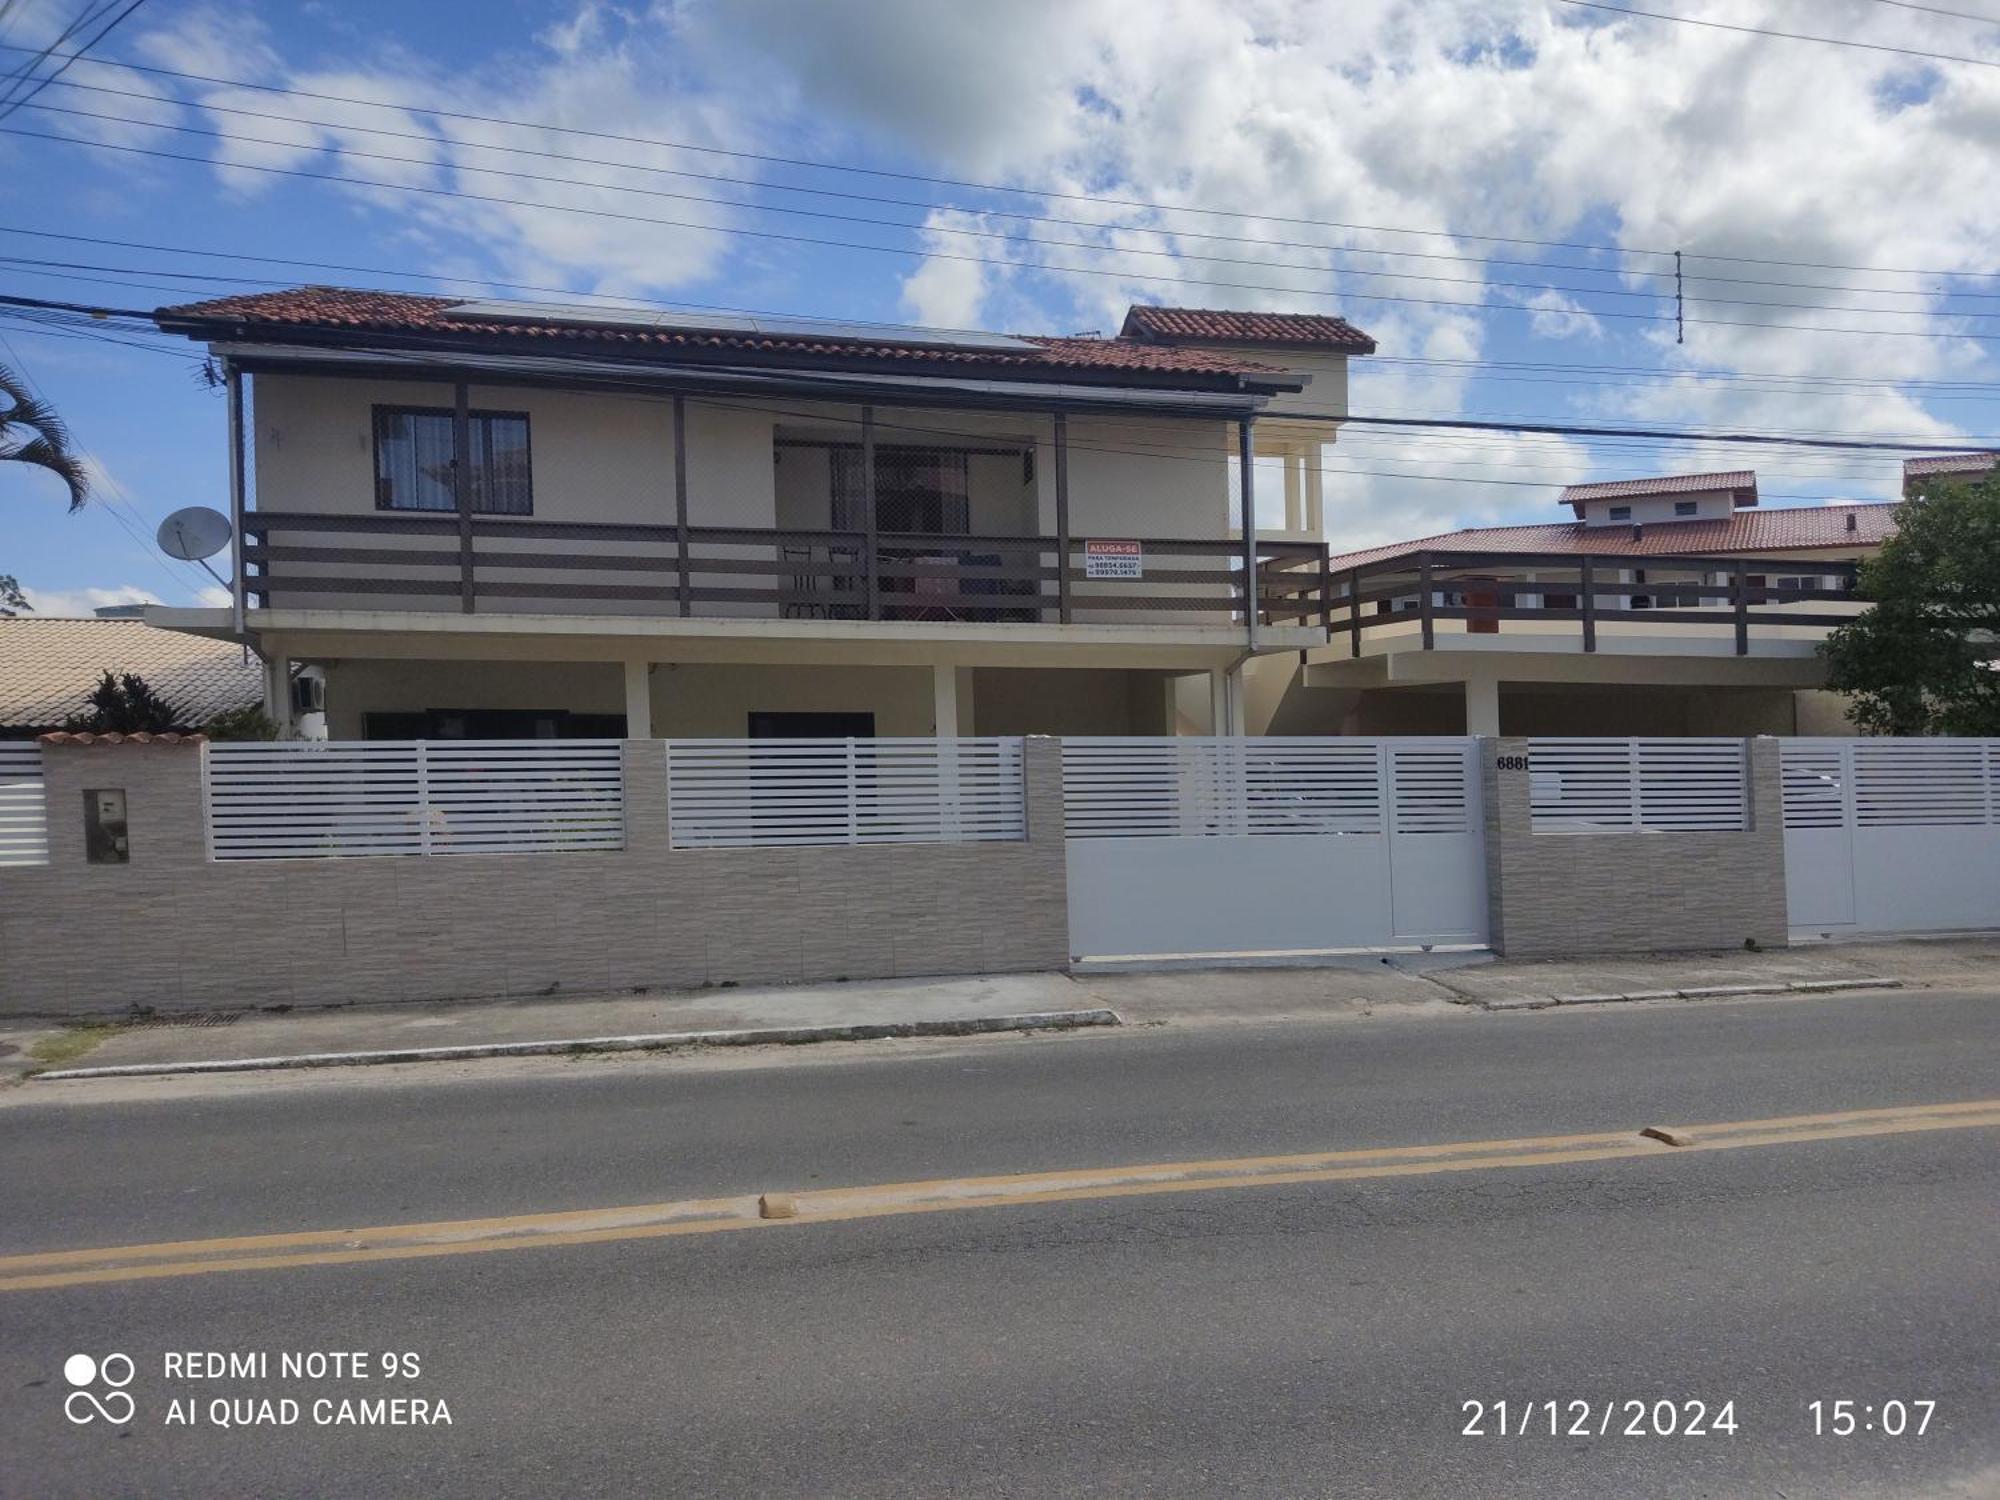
(86, 601)
(1560, 316)
(1523, 118)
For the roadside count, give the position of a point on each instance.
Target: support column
(944, 700)
(638, 700)
(1225, 700)
(871, 545)
(278, 689)
(238, 500)
(1482, 705)
(1062, 518)
(1246, 458)
(461, 485)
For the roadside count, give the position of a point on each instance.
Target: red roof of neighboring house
(343, 309)
(1741, 483)
(1791, 529)
(1204, 325)
(1949, 463)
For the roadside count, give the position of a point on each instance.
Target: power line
(1790, 36)
(85, 15)
(924, 254)
(1777, 382)
(347, 127)
(12, 104)
(1093, 247)
(1939, 10)
(1094, 199)
(930, 205)
(899, 224)
(107, 486)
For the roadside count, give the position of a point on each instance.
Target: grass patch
(61, 1048)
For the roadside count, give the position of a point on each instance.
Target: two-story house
(1664, 606)
(496, 519)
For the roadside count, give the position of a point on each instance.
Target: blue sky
(1520, 166)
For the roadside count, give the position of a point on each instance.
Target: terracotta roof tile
(1666, 484)
(49, 666)
(141, 737)
(1949, 463)
(1793, 528)
(347, 309)
(1219, 326)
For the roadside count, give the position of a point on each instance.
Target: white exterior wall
(1709, 505)
(599, 457)
(594, 457)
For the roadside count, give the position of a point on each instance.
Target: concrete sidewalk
(1409, 984)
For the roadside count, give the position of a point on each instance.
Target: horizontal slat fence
(1588, 786)
(1891, 783)
(304, 799)
(1208, 786)
(24, 823)
(725, 794)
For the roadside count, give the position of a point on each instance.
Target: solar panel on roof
(653, 320)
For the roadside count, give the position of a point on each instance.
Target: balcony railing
(1485, 592)
(446, 562)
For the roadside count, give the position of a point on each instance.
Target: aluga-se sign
(1113, 559)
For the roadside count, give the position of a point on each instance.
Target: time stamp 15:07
(1687, 1417)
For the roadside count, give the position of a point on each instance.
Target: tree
(32, 433)
(1925, 659)
(247, 723)
(124, 704)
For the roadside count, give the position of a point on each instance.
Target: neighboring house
(1930, 473)
(508, 519)
(1671, 605)
(49, 667)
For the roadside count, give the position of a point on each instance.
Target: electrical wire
(1096, 200)
(1093, 247)
(1790, 36)
(924, 254)
(8, 106)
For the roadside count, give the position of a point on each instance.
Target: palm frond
(49, 447)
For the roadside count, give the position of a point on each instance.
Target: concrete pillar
(1225, 700)
(278, 690)
(638, 700)
(1482, 705)
(944, 701)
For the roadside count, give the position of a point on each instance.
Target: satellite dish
(194, 533)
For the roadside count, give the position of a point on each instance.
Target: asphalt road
(1315, 1339)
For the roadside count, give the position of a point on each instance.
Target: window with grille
(414, 461)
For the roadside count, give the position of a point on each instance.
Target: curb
(1707, 992)
(1050, 1020)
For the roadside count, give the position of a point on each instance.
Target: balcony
(1560, 601)
(491, 564)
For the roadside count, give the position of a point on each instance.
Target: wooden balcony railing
(1486, 591)
(444, 561)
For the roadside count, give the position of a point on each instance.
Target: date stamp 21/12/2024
(1683, 1417)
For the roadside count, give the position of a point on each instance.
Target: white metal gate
(1891, 835)
(1201, 845)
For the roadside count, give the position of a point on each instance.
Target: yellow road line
(98, 1266)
